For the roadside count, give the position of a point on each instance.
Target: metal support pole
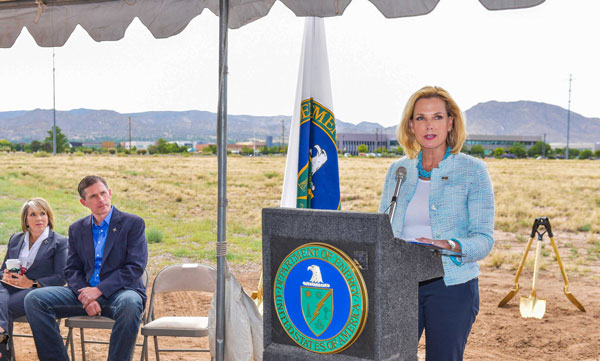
(568, 117)
(222, 179)
(544, 147)
(53, 107)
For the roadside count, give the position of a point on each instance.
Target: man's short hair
(87, 181)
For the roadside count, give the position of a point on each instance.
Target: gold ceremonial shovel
(564, 274)
(514, 291)
(532, 306)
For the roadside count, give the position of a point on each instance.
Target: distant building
(137, 144)
(185, 143)
(581, 146)
(269, 141)
(91, 144)
(233, 148)
(348, 142)
(108, 145)
(491, 142)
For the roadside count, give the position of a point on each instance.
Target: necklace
(422, 172)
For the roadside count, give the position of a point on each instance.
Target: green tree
(35, 146)
(597, 153)
(152, 149)
(518, 149)
(382, 150)
(210, 149)
(585, 154)
(161, 146)
(363, 148)
(5, 145)
(539, 148)
(62, 143)
(573, 153)
(172, 148)
(246, 150)
(477, 150)
(498, 152)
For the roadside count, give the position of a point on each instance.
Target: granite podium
(391, 269)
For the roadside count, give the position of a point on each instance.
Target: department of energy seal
(320, 298)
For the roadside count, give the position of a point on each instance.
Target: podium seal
(320, 298)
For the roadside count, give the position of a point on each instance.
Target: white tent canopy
(51, 22)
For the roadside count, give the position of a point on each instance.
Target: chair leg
(82, 344)
(69, 343)
(11, 347)
(156, 348)
(144, 349)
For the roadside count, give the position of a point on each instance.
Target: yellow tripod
(531, 306)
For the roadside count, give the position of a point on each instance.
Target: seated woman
(42, 254)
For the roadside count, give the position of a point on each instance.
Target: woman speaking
(448, 201)
(35, 257)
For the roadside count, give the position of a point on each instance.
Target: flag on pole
(311, 177)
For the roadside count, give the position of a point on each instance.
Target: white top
(416, 220)
(27, 256)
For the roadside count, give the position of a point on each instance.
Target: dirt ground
(564, 333)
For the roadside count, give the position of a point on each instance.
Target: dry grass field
(177, 196)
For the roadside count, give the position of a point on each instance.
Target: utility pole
(129, 133)
(53, 107)
(376, 140)
(569, 116)
(282, 137)
(544, 147)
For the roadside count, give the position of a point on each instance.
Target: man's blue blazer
(124, 259)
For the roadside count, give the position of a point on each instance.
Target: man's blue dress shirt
(99, 233)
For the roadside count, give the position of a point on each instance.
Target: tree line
(162, 146)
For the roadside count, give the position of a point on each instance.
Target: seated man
(106, 260)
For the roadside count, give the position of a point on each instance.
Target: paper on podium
(439, 250)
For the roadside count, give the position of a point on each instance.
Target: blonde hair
(38, 204)
(456, 136)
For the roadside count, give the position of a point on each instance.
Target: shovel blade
(532, 307)
(574, 301)
(509, 296)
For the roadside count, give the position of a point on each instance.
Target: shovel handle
(560, 264)
(523, 259)
(536, 265)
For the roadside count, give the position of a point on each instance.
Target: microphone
(400, 179)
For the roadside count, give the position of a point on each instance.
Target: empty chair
(177, 278)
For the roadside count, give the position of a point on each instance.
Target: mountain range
(493, 118)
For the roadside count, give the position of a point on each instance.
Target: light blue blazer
(461, 206)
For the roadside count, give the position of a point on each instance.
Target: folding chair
(91, 322)
(11, 344)
(177, 278)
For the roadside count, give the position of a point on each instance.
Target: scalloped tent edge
(52, 22)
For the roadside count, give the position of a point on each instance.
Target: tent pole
(222, 171)
(53, 106)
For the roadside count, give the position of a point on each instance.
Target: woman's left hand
(18, 280)
(436, 242)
